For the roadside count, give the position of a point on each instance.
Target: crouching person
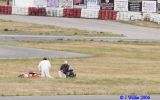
(65, 71)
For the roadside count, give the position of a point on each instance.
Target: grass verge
(35, 29)
(116, 68)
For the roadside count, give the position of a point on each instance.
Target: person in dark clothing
(65, 70)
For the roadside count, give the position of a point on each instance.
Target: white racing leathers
(44, 66)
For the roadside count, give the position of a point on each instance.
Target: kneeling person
(66, 71)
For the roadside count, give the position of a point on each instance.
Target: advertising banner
(92, 2)
(53, 3)
(40, 3)
(148, 6)
(107, 6)
(121, 5)
(66, 3)
(134, 5)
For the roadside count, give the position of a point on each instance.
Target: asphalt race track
(130, 31)
(9, 52)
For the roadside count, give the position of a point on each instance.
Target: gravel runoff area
(9, 52)
(131, 31)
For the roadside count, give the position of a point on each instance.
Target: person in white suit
(44, 66)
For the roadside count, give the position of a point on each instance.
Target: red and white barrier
(34, 11)
(72, 12)
(90, 13)
(6, 10)
(126, 16)
(153, 17)
(107, 15)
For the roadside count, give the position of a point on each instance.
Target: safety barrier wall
(72, 12)
(6, 10)
(107, 15)
(112, 10)
(153, 17)
(54, 12)
(34, 11)
(20, 10)
(126, 16)
(81, 13)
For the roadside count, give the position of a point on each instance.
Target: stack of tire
(72, 12)
(34, 11)
(6, 10)
(107, 15)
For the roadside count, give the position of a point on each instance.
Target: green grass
(115, 68)
(119, 67)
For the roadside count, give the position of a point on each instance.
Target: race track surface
(130, 31)
(9, 52)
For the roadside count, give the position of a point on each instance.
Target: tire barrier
(81, 13)
(54, 12)
(72, 12)
(33, 11)
(107, 15)
(6, 10)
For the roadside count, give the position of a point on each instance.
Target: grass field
(11, 27)
(115, 68)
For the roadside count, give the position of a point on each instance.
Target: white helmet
(66, 62)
